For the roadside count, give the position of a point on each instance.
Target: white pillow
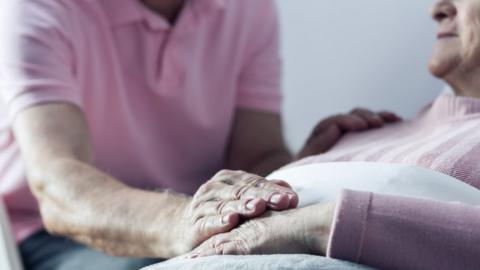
(322, 182)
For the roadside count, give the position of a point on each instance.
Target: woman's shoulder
(447, 108)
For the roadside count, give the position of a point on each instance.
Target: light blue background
(340, 54)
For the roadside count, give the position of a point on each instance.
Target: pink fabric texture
(392, 232)
(159, 100)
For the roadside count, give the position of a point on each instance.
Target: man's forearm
(82, 203)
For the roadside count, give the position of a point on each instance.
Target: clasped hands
(240, 213)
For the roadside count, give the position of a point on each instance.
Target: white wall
(342, 54)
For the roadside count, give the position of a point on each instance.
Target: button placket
(172, 72)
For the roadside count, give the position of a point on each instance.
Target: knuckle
(251, 182)
(223, 173)
(275, 185)
(245, 182)
(248, 178)
(238, 191)
(260, 183)
(204, 188)
(190, 210)
(226, 173)
(208, 191)
(219, 207)
(240, 205)
(227, 176)
(196, 203)
(195, 217)
(222, 176)
(196, 211)
(254, 181)
(201, 226)
(240, 176)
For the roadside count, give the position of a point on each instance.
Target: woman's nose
(443, 9)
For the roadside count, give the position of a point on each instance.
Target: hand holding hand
(221, 203)
(304, 230)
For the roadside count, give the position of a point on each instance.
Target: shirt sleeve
(36, 56)
(392, 232)
(259, 80)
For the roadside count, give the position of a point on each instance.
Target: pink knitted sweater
(391, 232)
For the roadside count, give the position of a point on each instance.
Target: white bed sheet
(323, 182)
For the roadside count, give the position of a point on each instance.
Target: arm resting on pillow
(392, 232)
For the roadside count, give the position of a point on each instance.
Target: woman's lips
(446, 35)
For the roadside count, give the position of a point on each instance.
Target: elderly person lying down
(388, 231)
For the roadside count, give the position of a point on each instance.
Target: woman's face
(457, 47)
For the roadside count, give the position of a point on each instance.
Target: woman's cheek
(470, 27)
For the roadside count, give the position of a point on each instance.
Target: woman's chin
(439, 69)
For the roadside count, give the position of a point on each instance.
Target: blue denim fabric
(43, 251)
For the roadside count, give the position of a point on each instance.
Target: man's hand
(221, 203)
(327, 133)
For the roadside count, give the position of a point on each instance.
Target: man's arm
(256, 143)
(80, 202)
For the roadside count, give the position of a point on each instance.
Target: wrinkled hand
(296, 231)
(221, 203)
(330, 130)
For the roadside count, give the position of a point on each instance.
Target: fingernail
(276, 198)
(292, 200)
(250, 205)
(226, 219)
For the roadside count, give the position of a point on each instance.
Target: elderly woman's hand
(329, 131)
(221, 203)
(304, 230)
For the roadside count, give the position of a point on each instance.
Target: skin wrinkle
(471, 22)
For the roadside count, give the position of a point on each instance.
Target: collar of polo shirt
(121, 12)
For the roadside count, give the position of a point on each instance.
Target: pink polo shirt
(159, 100)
